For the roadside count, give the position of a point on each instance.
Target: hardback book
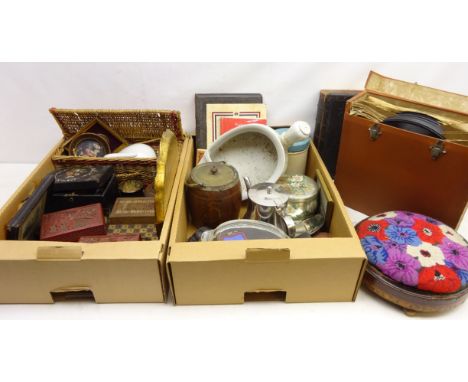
(216, 112)
(25, 224)
(82, 178)
(110, 237)
(329, 121)
(146, 231)
(201, 100)
(105, 195)
(229, 123)
(133, 210)
(71, 224)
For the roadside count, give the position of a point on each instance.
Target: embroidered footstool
(415, 261)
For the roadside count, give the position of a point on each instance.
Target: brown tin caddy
(213, 194)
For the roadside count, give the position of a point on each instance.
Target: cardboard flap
(267, 254)
(59, 253)
(417, 93)
(133, 125)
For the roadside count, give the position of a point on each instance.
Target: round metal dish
(243, 229)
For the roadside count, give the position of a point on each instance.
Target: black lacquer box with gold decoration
(83, 185)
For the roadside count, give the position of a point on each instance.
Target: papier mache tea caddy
(213, 194)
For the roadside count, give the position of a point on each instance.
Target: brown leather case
(396, 171)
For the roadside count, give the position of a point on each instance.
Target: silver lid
(267, 195)
(298, 187)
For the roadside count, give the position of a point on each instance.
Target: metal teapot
(267, 204)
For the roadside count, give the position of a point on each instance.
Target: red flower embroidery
(374, 228)
(428, 232)
(439, 279)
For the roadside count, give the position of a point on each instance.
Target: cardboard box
(293, 270)
(43, 272)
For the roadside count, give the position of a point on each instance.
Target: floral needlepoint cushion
(416, 250)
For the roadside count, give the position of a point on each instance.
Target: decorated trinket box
(81, 185)
(145, 231)
(82, 178)
(416, 262)
(71, 224)
(133, 210)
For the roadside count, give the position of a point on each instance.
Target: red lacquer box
(110, 237)
(71, 224)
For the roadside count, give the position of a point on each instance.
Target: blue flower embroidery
(374, 249)
(463, 276)
(402, 235)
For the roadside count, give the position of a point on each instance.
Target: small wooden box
(71, 224)
(105, 195)
(133, 210)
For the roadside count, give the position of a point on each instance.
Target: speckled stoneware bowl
(256, 151)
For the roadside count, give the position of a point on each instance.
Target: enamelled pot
(213, 194)
(302, 192)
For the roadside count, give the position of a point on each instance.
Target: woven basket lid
(416, 251)
(133, 124)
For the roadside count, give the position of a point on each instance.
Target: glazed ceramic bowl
(256, 151)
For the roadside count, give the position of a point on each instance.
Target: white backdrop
(290, 91)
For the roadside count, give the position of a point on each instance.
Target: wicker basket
(144, 126)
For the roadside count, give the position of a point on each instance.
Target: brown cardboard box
(43, 272)
(293, 270)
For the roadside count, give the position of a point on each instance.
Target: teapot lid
(217, 175)
(267, 195)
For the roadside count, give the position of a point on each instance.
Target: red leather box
(73, 223)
